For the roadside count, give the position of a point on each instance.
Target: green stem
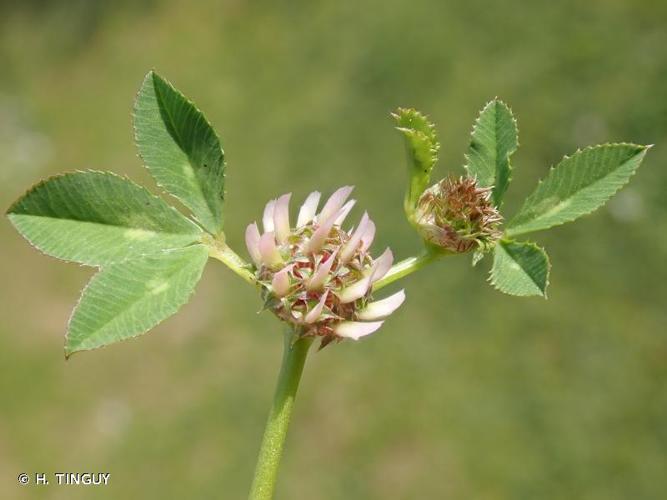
(266, 471)
(405, 267)
(219, 250)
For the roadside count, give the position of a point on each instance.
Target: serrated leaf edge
(69, 354)
(41, 182)
(151, 74)
(496, 101)
(643, 150)
(431, 137)
(547, 282)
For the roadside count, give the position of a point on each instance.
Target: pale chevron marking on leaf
(577, 186)
(125, 300)
(138, 234)
(98, 218)
(520, 268)
(181, 150)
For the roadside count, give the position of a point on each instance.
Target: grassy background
(490, 397)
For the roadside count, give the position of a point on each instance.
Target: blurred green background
(465, 393)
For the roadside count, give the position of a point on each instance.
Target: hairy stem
(270, 452)
(405, 267)
(218, 249)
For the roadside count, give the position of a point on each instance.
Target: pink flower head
(316, 276)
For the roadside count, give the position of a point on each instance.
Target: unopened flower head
(316, 276)
(458, 216)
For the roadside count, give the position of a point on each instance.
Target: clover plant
(315, 275)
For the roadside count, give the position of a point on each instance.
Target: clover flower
(458, 216)
(316, 276)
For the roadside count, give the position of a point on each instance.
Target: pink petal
(355, 330)
(320, 275)
(280, 282)
(281, 218)
(315, 312)
(382, 265)
(334, 203)
(268, 250)
(267, 218)
(380, 309)
(356, 290)
(320, 235)
(252, 242)
(367, 238)
(342, 213)
(308, 209)
(351, 246)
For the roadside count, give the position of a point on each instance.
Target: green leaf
(98, 218)
(577, 186)
(125, 300)
(181, 150)
(520, 268)
(494, 139)
(423, 147)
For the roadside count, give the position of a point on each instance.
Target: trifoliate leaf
(125, 300)
(181, 150)
(99, 218)
(577, 186)
(520, 268)
(494, 139)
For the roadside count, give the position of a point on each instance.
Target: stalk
(405, 267)
(218, 249)
(270, 452)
